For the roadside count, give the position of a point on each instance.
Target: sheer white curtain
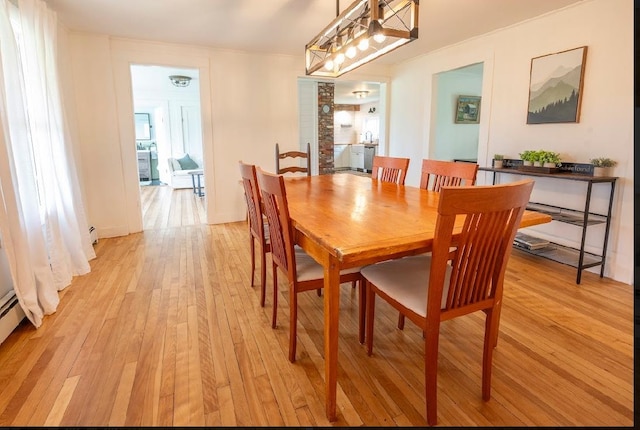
(42, 219)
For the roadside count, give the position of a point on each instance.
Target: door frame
(123, 58)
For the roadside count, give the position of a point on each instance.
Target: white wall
(6, 283)
(606, 123)
(345, 128)
(450, 140)
(248, 101)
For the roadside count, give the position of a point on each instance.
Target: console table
(577, 258)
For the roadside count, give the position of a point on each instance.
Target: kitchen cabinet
(357, 157)
(341, 156)
(581, 218)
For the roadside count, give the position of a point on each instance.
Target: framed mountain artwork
(555, 88)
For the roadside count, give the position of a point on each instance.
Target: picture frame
(556, 86)
(468, 110)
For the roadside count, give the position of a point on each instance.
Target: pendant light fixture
(364, 31)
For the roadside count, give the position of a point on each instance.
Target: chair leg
(353, 284)
(490, 339)
(253, 257)
(293, 323)
(371, 303)
(496, 311)
(362, 307)
(275, 296)
(319, 292)
(431, 374)
(400, 321)
(263, 276)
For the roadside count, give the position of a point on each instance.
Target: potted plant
(536, 157)
(602, 166)
(550, 159)
(527, 158)
(497, 161)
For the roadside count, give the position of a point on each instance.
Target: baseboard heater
(10, 314)
(8, 302)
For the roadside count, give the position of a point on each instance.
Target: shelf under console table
(577, 258)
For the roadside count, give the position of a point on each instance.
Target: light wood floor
(166, 331)
(163, 207)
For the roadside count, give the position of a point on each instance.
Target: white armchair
(180, 169)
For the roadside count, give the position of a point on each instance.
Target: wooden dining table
(345, 220)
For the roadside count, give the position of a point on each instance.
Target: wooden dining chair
(463, 274)
(257, 226)
(293, 155)
(389, 169)
(437, 174)
(302, 271)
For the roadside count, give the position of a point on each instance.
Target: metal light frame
(348, 41)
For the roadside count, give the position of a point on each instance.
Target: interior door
(192, 132)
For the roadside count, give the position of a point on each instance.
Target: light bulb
(379, 37)
(364, 44)
(328, 65)
(339, 58)
(351, 52)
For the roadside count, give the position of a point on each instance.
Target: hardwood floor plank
(62, 402)
(181, 394)
(123, 394)
(196, 409)
(166, 331)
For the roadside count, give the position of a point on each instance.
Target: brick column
(325, 128)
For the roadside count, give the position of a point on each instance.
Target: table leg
(331, 311)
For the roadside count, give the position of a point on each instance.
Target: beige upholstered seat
(406, 280)
(464, 273)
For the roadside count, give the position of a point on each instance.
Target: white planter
(527, 163)
(549, 165)
(601, 171)
(537, 164)
(497, 164)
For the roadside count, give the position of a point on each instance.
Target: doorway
(168, 117)
(451, 140)
(358, 121)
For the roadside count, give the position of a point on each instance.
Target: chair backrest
(389, 169)
(480, 253)
(276, 208)
(252, 196)
(437, 174)
(293, 154)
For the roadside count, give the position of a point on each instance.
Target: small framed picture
(468, 110)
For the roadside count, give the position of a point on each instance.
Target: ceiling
(284, 26)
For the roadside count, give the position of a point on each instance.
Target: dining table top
(355, 215)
